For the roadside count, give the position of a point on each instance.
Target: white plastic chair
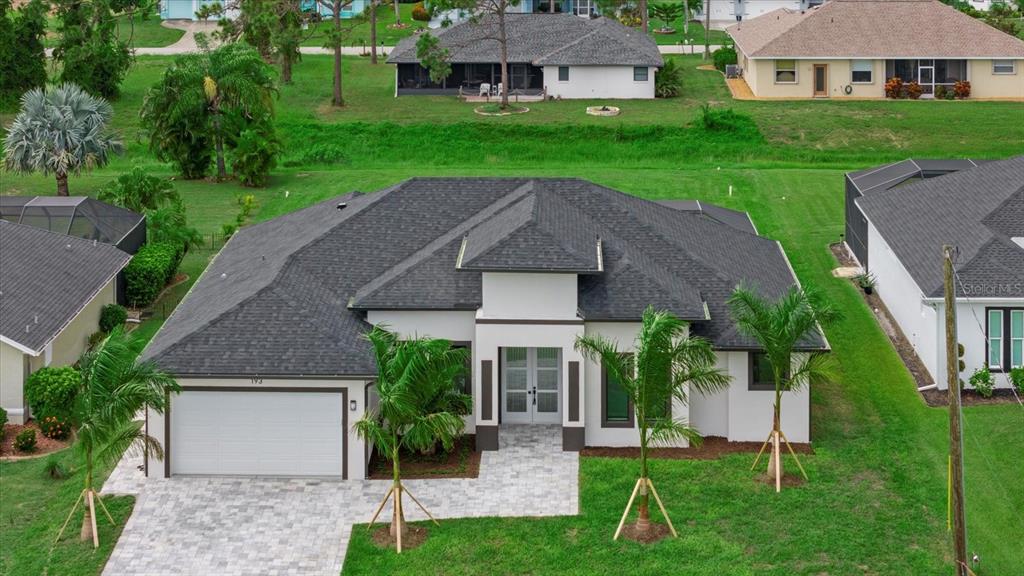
(485, 89)
(501, 89)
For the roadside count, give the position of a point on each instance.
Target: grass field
(137, 31)
(876, 500)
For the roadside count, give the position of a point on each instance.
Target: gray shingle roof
(79, 216)
(46, 279)
(979, 210)
(287, 297)
(873, 29)
(541, 39)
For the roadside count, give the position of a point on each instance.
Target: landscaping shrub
(25, 441)
(420, 13)
(112, 316)
(913, 90)
(95, 338)
(3, 421)
(668, 82)
(894, 88)
(55, 468)
(982, 382)
(1017, 379)
(152, 267)
(51, 390)
(139, 191)
(723, 57)
(962, 89)
(55, 427)
(255, 154)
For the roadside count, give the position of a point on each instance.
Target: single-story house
(52, 288)
(582, 8)
(850, 48)
(82, 217)
(727, 13)
(269, 349)
(559, 55)
(979, 209)
(186, 9)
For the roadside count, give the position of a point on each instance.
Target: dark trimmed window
(1004, 338)
(761, 377)
(563, 73)
(616, 407)
(640, 74)
(465, 379)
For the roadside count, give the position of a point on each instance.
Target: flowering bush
(913, 90)
(894, 87)
(25, 441)
(982, 381)
(962, 89)
(54, 427)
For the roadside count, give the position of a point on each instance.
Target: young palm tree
(666, 364)
(415, 382)
(780, 326)
(61, 130)
(114, 388)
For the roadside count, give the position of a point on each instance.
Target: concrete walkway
(241, 526)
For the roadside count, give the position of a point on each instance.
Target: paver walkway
(243, 526)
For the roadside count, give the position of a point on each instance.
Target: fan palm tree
(780, 327)
(415, 382)
(114, 388)
(61, 130)
(667, 363)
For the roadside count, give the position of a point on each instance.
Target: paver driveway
(245, 526)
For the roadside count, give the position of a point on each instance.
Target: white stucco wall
(709, 414)
(12, 379)
(455, 326)
(970, 331)
(355, 391)
(71, 342)
(750, 411)
(599, 82)
(513, 295)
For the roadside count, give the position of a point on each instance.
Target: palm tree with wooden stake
(60, 130)
(666, 365)
(113, 389)
(781, 327)
(411, 374)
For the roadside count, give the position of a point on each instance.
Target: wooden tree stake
(793, 452)
(629, 506)
(72, 513)
(422, 508)
(92, 519)
(380, 508)
(662, 508)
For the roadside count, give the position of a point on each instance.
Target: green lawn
(876, 502)
(32, 509)
(695, 36)
(358, 29)
(146, 33)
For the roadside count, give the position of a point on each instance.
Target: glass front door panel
(517, 382)
(531, 380)
(547, 380)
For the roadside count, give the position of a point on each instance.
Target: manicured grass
(695, 36)
(358, 29)
(32, 509)
(146, 33)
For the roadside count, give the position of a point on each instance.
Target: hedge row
(152, 267)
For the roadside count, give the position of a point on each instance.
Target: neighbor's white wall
(355, 391)
(519, 296)
(599, 82)
(71, 342)
(970, 331)
(750, 411)
(12, 381)
(904, 299)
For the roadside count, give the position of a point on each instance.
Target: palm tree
(61, 130)
(415, 379)
(665, 365)
(114, 388)
(780, 327)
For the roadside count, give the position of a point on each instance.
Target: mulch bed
(911, 360)
(413, 537)
(655, 533)
(44, 445)
(712, 448)
(462, 462)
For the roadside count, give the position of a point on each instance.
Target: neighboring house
(728, 12)
(902, 220)
(81, 217)
(186, 9)
(557, 54)
(583, 8)
(270, 352)
(849, 48)
(52, 287)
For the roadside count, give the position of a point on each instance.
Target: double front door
(531, 379)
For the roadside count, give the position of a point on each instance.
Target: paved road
(243, 526)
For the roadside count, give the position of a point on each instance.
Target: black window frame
(1006, 359)
(630, 421)
(752, 384)
(468, 388)
(562, 69)
(646, 74)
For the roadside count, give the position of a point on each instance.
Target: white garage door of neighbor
(257, 433)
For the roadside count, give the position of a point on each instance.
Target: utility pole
(707, 29)
(956, 461)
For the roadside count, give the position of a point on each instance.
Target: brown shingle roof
(873, 29)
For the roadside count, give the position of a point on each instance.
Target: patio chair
(485, 89)
(501, 89)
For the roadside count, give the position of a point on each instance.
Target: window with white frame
(1005, 338)
(1004, 67)
(640, 74)
(785, 71)
(862, 71)
(584, 7)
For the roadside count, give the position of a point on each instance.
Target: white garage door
(257, 433)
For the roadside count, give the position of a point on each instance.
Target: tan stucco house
(849, 48)
(52, 289)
